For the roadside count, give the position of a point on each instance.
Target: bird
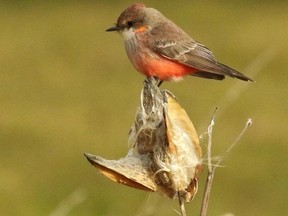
(157, 47)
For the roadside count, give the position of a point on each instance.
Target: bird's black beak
(114, 28)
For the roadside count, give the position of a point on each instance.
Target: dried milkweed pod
(165, 155)
(179, 159)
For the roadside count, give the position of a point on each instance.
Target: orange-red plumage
(165, 69)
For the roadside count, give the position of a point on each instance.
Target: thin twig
(209, 146)
(211, 170)
(182, 204)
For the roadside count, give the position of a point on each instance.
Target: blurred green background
(67, 87)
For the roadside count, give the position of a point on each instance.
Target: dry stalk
(182, 205)
(212, 168)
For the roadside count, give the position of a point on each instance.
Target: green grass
(67, 87)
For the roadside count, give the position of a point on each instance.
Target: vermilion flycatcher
(158, 47)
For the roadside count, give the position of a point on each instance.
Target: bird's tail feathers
(233, 73)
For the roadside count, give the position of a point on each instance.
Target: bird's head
(135, 19)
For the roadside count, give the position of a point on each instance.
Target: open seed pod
(165, 154)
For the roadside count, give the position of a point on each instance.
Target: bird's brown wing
(196, 55)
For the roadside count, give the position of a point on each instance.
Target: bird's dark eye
(130, 24)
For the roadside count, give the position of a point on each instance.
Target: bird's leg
(158, 80)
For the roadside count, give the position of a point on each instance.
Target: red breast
(165, 69)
